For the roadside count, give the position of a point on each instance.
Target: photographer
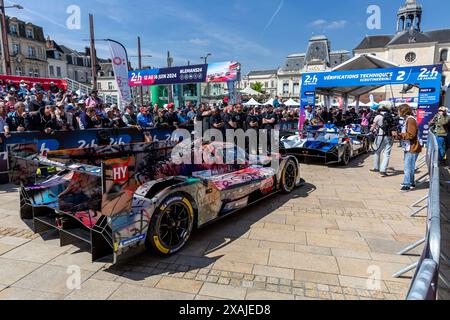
(409, 137)
(439, 125)
(383, 126)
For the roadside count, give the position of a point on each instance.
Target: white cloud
(199, 42)
(324, 24)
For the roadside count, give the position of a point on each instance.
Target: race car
(124, 199)
(330, 144)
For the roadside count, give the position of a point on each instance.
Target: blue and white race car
(331, 144)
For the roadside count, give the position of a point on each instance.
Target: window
(58, 72)
(52, 70)
(29, 33)
(13, 28)
(31, 52)
(266, 84)
(99, 86)
(37, 73)
(18, 71)
(16, 49)
(110, 86)
(296, 88)
(31, 72)
(410, 57)
(285, 88)
(272, 84)
(444, 55)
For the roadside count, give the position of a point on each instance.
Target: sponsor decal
(128, 242)
(120, 173)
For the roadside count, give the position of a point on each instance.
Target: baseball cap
(69, 107)
(107, 110)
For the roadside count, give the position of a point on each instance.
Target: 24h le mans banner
(120, 66)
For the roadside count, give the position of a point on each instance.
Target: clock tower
(409, 17)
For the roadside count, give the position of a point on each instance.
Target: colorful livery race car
(123, 199)
(332, 145)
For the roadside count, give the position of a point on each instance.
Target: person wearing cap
(85, 121)
(38, 103)
(439, 125)
(53, 88)
(144, 119)
(171, 117)
(129, 117)
(17, 121)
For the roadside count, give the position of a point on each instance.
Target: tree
(257, 86)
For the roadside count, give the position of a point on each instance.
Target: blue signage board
(428, 78)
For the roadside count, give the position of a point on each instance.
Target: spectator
(439, 125)
(94, 101)
(409, 137)
(44, 120)
(39, 103)
(144, 119)
(171, 117)
(384, 140)
(129, 117)
(85, 121)
(3, 117)
(17, 121)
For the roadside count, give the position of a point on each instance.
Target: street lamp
(206, 57)
(7, 57)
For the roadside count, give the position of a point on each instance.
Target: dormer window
(13, 28)
(29, 33)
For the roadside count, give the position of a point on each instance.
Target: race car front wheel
(289, 177)
(171, 225)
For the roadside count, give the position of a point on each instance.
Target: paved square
(325, 241)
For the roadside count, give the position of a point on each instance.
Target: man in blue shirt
(144, 119)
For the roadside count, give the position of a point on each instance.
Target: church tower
(409, 17)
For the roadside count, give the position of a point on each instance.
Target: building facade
(267, 78)
(56, 59)
(27, 48)
(78, 65)
(318, 58)
(107, 85)
(410, 46)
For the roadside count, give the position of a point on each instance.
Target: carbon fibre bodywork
(332, 145)
(107, 196)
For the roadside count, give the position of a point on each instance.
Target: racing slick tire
(346, 156)
(289, 177)
(171, 225)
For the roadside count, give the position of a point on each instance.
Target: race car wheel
(346, 156)
(171, 225)
(289, 177)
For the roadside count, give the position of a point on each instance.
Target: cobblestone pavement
(325, 241)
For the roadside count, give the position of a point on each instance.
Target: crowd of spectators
(24, 109)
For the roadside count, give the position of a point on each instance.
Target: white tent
(269, 103)
(249, 91)
(252, 102)
(292, 103)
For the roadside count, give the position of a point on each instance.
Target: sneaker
(384, 174)
(405, 189)
(375, 170)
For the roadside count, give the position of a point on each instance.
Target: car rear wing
(95, 190)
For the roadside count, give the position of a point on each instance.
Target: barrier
(88, 138)
(425, 280)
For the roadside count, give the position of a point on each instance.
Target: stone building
(56, 59)
(409, 46)
(27, 48)
(78, 65)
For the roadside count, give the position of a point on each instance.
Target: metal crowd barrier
(425, 281)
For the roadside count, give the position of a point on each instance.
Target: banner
(428, 78)
(120, 66)
(216, 72)
(45, 82)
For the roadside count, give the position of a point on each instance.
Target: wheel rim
(174, 225)
(289, 176)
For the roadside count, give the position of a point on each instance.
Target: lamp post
(6, 55)
(206, 62)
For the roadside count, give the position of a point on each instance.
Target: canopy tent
(269, 103)
(361, 104)
(362, 62)
(252, 102)
(249, 91)
(292, 103)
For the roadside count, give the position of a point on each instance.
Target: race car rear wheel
(346, 156)
(171, 225)
(289, 177)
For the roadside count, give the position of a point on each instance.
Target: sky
(257, 33)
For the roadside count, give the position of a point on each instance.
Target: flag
(120, 67)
